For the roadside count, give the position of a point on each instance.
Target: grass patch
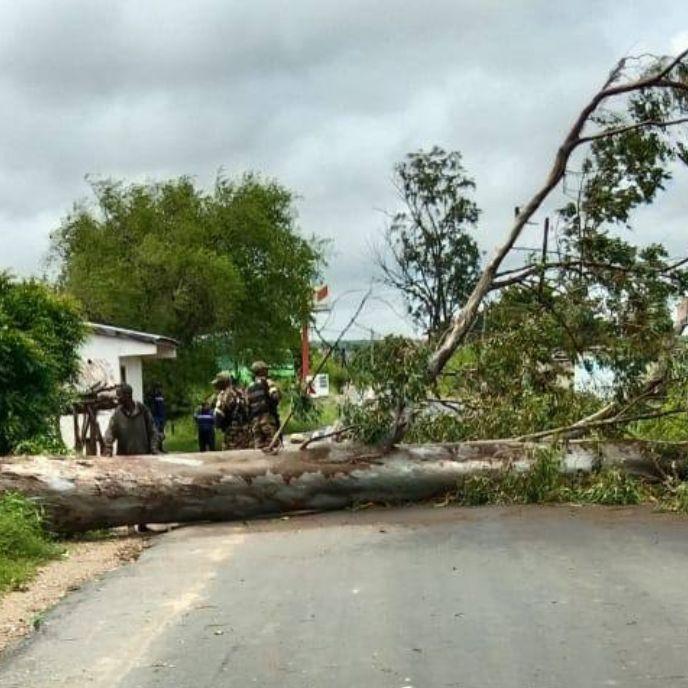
(325, 412)
(182, 436)
(674, 498)
(24, 543)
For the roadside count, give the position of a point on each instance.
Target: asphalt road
(422, 597)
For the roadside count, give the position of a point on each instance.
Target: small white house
(113, 355)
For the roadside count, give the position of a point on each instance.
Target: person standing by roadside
(159, 411)
(131, 426)
(205, 422)
(231, 415)
(263, 398)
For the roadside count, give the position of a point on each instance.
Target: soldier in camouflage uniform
(263, 397)
(231, 412)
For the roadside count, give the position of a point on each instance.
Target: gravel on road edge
(21, 610)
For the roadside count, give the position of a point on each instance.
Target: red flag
(321, 293)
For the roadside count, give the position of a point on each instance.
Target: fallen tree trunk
(82, 494)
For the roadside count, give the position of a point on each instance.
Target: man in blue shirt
(205, 421)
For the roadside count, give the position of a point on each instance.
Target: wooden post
(91, 440)
(78, 444)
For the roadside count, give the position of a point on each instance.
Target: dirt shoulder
(20, 610)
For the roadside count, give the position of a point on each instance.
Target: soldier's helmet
(224, 377)
(259, 368)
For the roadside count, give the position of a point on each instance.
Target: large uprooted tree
(597, 296)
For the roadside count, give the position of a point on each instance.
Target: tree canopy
(40, 332)
(224, 271)
(430, 255)
(172, 258)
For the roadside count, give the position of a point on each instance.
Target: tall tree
(173, 258)
(226, 268)
(429, 254)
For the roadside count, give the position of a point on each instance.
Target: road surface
(422, 597)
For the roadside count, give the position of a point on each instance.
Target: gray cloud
(326, 96)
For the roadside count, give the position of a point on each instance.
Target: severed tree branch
(648, 124)
(596, 424)
(517, 275)
(334, 433)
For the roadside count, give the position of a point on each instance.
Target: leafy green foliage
(432, 259)
(199, 266)
(23, 542)
(40, 332)
(479, 490)
(393, 372)
(675, 498)
(613, 297)
(546, 483)
(673, 427)
(612, 487)
(510, 487)
(48, 442)
(595, 299)
(541, 483)
(504, 385)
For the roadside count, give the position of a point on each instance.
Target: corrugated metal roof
(123, 333)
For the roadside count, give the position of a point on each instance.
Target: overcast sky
(323, 95)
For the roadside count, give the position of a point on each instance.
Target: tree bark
(83, 494)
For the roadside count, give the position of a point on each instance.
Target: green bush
(395, 370)
(477, 490)
(24, 544)
(675, 497)
(611, 486)
(47, 443)
(545, 483)
(40, 332)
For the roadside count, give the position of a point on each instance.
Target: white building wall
(111, 356)
(116, 355)
(132, 366)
